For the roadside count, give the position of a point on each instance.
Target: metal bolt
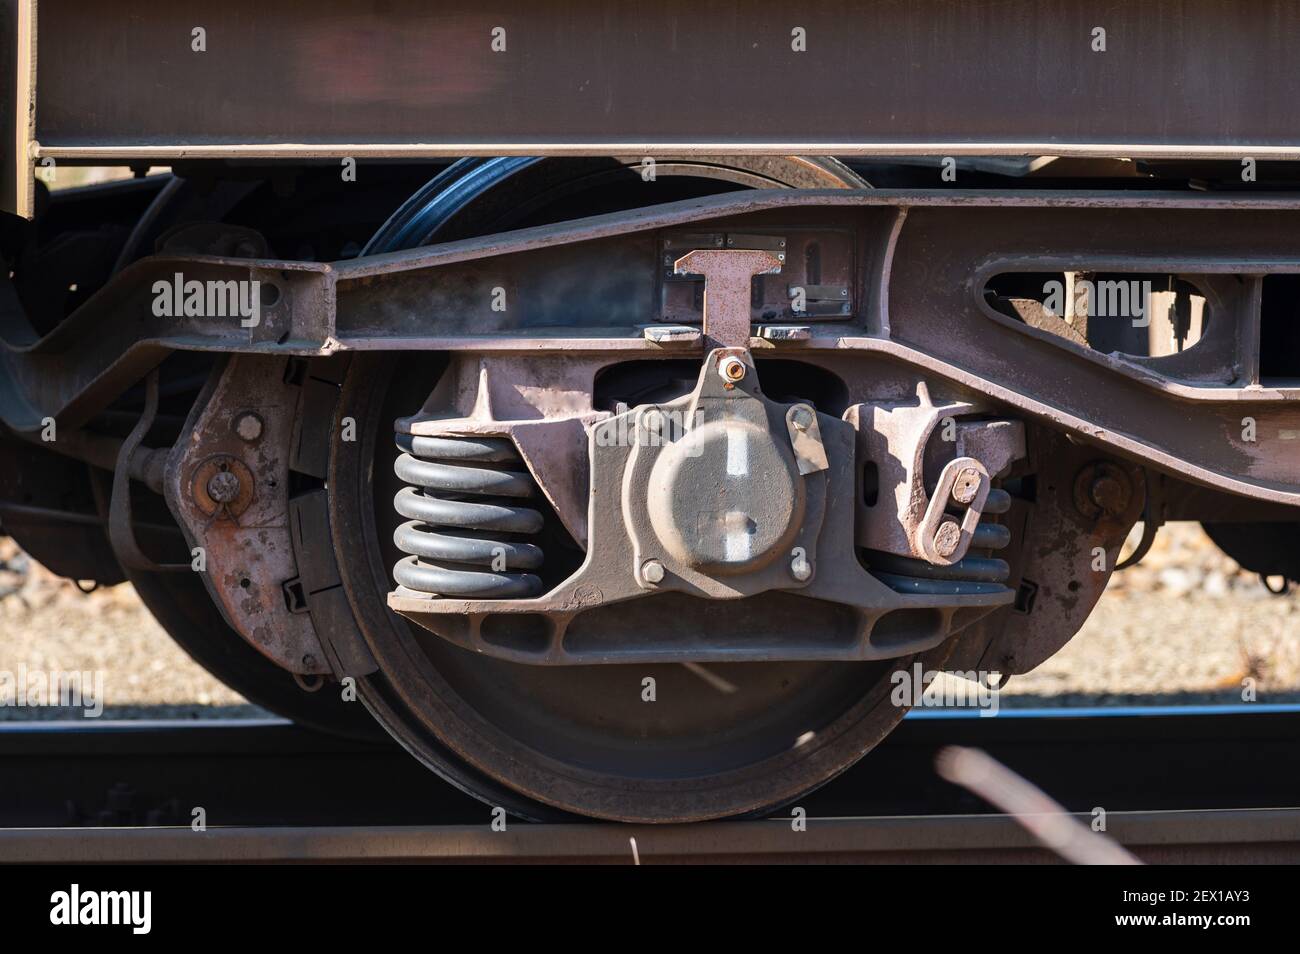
(652, 571)
(1109, 494)
(732, 369)
(1103, 490)
(800, 568)
(946, 538)
(801, 416)
(654, 427)
(966, 486)
(223, 487)
(248, 426)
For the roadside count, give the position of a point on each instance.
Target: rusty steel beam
(922, 260)
(116, 337)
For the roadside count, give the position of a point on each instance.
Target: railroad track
(1177, 785)
(1257, 836)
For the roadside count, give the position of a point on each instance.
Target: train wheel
(1268, 549)
(720, 740)
(184, 609)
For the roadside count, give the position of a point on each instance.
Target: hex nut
(652, 571)
(732, 369)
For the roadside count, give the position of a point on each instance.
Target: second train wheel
(183, 607)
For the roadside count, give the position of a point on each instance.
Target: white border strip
(143, 151)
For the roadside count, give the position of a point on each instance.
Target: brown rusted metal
(1102, 488)
(653, 530)
(941, 537)
(806, 439)
(222, 486)
(896, 438)
(369, 308)
(1066, 560)
(232, 500)
(727, 274)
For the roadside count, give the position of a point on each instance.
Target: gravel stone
(1185, 626)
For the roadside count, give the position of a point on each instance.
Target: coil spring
(465, 525)
(971, 574)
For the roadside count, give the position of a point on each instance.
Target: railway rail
(1178, 785)
(1256, 836)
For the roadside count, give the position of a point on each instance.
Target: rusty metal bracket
(806, 439)
(228, 486)
(941, 538)
(655, 537)
(727, 276)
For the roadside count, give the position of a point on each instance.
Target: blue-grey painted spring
(465, 522)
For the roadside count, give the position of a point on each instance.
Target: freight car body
(619, 471)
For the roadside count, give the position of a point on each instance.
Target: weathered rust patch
(246, 537)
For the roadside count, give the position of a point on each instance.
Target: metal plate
(331, 78)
